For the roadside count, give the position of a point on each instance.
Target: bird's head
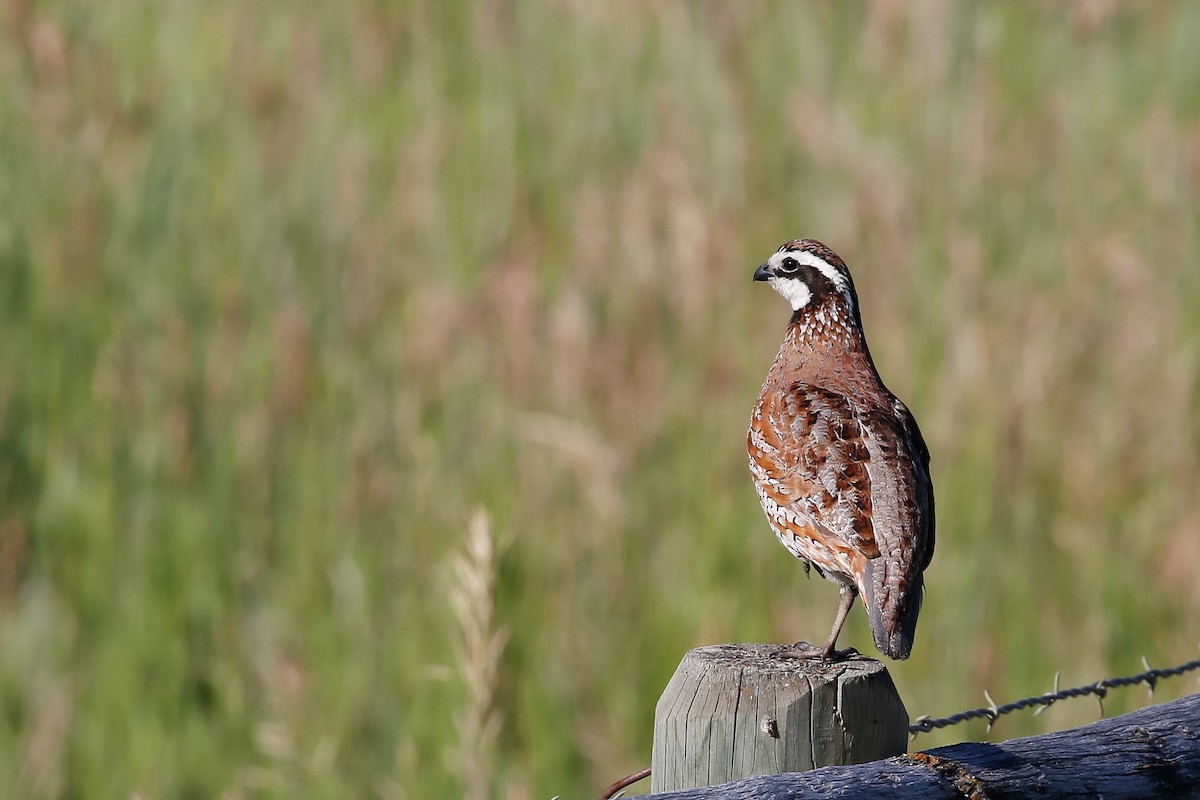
(807, 273)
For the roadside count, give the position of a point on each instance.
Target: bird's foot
(811, 651)
(839, 655)
(808, 650)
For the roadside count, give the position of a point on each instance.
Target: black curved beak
(764, 273)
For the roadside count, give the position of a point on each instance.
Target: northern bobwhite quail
(838, 461)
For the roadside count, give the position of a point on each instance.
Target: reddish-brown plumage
(838, 461)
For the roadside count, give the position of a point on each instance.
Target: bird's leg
(848, 592)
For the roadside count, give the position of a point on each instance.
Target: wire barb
(1099, 690)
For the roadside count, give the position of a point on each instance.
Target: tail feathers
(892, 610)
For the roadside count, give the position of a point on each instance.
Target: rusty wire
(632, 777)
(991, 712)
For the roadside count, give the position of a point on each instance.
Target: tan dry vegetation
(288, 292)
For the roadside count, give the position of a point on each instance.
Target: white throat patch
(794, 290)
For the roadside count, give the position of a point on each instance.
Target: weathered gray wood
(753, 709)
(1154, 752)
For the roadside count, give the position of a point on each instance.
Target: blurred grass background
(374, 376)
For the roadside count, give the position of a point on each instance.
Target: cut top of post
(734, 710)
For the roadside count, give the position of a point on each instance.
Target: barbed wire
(992, 712)
(1099, 689)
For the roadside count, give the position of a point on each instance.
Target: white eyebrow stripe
(813, 260)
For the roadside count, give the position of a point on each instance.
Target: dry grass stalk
(480, 648)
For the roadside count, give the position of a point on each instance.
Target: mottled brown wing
(922, 485)
(901, 492)
(902, 495)
(815, 460)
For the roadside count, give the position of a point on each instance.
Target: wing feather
(819, 464)
(857, 474)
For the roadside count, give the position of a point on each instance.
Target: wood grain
(731, 711)
(1154, 752)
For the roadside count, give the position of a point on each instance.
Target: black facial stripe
(816, 281)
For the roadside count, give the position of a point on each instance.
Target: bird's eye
(790, 265)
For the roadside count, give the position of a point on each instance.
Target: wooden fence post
(735, 710)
